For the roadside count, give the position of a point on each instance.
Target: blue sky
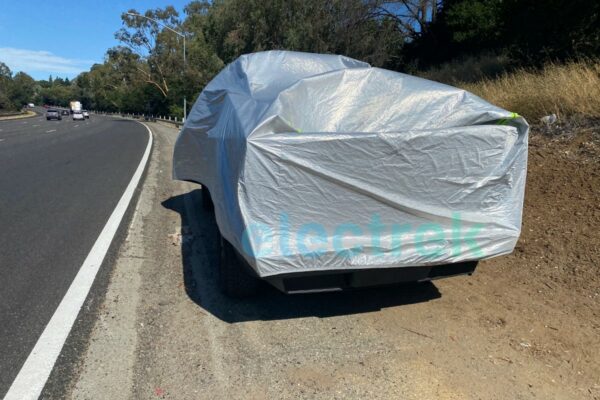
(63, 38)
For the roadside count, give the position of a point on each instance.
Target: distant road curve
(10, 116)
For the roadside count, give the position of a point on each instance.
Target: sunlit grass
(565, 90)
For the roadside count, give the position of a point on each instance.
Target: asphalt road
(59, 183)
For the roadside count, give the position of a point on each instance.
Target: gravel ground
(523, 326)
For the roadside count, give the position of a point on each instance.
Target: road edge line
(34, 373)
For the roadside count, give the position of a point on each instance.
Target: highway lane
(59, 183)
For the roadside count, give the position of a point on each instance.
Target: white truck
(75, 106)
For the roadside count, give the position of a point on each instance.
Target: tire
(234, 281)
(207, 203)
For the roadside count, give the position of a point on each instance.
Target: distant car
(86, 114)
(64, 112)
(78, 116)
(53, 114)
(30, 105)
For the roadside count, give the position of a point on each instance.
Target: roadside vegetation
(529, 57)
(15, 90)
(570, 89)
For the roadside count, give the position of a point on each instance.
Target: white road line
(51, 130)
(33, 375)
(76, 125)
(35, 125)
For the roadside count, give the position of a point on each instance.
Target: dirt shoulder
(523, 326)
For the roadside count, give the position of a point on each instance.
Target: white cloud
(32, 61)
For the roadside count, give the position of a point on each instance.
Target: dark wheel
(207, 203)
(234, 281)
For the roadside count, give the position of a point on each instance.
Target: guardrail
(147, 117)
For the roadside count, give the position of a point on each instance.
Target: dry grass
(567, 90)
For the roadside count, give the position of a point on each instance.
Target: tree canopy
(146, 72)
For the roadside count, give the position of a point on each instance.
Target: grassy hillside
(567, 90)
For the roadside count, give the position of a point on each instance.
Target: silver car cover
(321, 162)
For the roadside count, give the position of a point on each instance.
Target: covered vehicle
(326, 173)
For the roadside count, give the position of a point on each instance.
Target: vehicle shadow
(200, 255)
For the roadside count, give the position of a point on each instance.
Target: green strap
(503, 121)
